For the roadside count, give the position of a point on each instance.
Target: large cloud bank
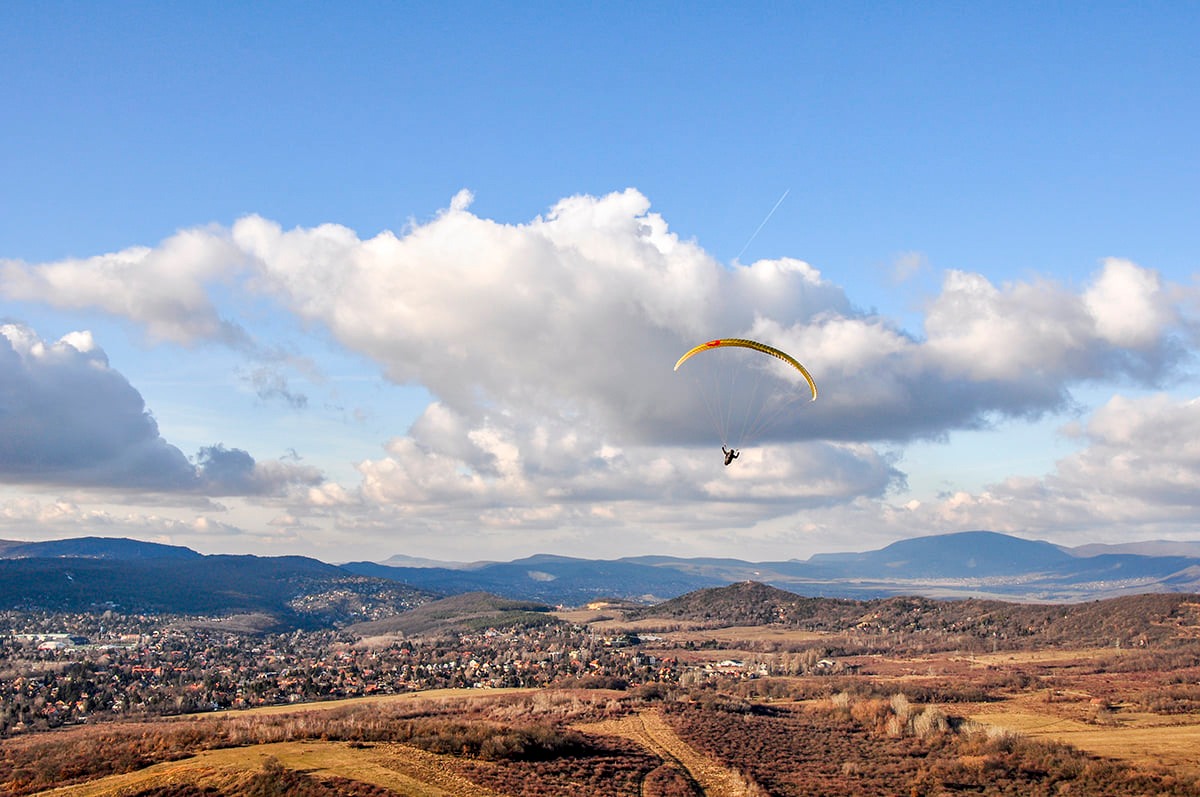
(548, 346)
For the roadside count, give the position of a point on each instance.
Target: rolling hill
(456, 614)
(94, 548)
(552, 579)
(93, 572)
(969, 554)
(297, 591)
(747, 603)
(1135, 619)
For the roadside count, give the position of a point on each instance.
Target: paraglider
(751, 344)
(744, 395)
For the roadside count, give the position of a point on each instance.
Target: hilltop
(94, 548)
(1136, 619)
(748, 603)
(458, 614)
(967, 554)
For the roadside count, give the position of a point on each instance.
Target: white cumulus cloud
(164, 288)
(68, 418)
(547, 347)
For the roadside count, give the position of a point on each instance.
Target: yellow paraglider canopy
(752, 344)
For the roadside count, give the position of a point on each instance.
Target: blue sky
(395, 279)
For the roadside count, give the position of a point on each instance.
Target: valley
(831, 696)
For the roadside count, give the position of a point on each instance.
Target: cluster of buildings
(52, 679)
(121, 666)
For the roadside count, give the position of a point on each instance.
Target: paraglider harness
(730, 455)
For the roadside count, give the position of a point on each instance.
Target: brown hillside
(749, 603)
(1131, 620)
(469, 611)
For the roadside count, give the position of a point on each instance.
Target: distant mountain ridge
(552, 579)
(84, 573)
(94, 548)
(295, 590)
(1144, 548)
(401, 560)
(966, 554)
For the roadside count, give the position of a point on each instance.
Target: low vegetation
(531, 743)
(1132, 621)
(862, 746)
(903, 696)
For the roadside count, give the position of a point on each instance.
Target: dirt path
(649, 729)
(405, 770)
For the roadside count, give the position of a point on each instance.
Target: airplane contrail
(763, 224)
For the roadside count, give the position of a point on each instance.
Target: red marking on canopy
(713, 343)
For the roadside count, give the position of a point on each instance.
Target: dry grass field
(1142, 740)
(397, 768)
(911, 722)
(1086, 698)
(377, 700)
(473, 742)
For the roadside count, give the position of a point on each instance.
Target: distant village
(68, 669)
